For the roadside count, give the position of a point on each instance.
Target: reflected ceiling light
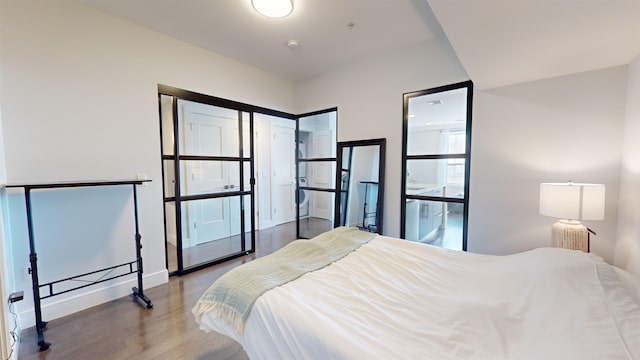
(273, 8)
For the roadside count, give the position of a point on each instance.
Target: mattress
(394, 299)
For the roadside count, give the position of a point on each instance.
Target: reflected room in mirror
(360, 184)
(437, 139)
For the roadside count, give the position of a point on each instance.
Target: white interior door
(208, 131)
(283, 184)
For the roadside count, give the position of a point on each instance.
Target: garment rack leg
(33, 260)
(138, 292)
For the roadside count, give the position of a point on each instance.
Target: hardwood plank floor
(122, 330)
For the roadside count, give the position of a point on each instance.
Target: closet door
(316, 172)
(436, 154)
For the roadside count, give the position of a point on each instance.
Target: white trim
(57, 309)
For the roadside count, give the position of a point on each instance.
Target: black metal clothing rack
(132, 266)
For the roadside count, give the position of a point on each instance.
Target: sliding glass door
(207, 152)
(316, 172)
(436, 154)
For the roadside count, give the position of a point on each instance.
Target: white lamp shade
(573, 201)
(273, 8)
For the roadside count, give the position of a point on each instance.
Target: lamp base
(570, 234)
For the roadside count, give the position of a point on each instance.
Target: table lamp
(572, 202)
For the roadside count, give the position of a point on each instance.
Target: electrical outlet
(16, 296)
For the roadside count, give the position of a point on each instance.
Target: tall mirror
(360, 184)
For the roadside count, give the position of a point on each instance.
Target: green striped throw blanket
(232, 296)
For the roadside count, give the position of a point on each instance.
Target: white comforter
(393, 299)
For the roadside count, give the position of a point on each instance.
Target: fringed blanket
(232, 296)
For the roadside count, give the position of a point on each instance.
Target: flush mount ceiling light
(273, 8)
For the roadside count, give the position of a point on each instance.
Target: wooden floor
(313, 226)
(121, 329)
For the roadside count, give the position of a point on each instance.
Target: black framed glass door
(436, 163)
(207, 155)
(316, 172)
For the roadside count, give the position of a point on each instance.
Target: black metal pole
(33, 259)
(139, 292)
(364, 211)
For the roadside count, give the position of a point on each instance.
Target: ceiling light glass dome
(273, 8)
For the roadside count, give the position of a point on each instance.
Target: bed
(386, 298)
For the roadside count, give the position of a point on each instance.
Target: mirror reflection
(361, 184)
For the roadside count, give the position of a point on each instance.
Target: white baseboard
(52, 309)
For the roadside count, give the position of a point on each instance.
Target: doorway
(230, 169)
(316, 159)
(283, 164)
(209, 185)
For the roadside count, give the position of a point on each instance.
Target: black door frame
(180, 94)
(467, 156)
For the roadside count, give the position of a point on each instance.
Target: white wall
(549, 130)
(6, 269)
(368, 95)
(627, 247)
(79, 95)
(560, 129)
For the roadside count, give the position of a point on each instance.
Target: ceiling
(504, 42)
(233, 29)
(499, 42)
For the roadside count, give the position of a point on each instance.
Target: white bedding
(394, 299)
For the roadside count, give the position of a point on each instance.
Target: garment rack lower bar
(91, 282)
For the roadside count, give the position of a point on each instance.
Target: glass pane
(247, 222)
(435, 223)
(209, 177)
(246, 138)
(234, 176)
(210, 229)
(437, 123)
(346, 157)
(166, 119)
(207, 130)
(440, 177)
(359, 187)
(172, 236)
(247, 176)
(320, 174)
(316, 212)
(317, 136)
(169, 178)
